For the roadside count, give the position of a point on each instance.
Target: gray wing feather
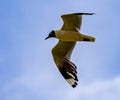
(73, 21)
(61, 55)
(63, 49)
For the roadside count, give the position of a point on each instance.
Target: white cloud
(100, 90)
(35, 85)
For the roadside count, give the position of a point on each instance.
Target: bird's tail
(68, 70)
(87, 38)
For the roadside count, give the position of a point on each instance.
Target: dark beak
(46, 38)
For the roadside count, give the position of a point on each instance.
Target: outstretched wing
(73, 21)
(61, 55)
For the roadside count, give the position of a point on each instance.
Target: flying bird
(68, 35)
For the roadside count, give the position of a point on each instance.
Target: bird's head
(51, 34)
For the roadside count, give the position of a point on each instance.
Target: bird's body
(72, 36)
(68, 35)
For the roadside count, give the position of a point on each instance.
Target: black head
(51, 34)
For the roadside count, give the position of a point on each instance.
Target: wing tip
(68, 70)
(83, 13)
(75, 84)
(78, 14)
(72, 82)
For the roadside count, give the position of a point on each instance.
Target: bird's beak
(46, 38)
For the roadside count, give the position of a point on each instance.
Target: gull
(68, 35)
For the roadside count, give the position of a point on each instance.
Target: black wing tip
(78, 14)
(74, 85)
(84, 13)
(68, 70)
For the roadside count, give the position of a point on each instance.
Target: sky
(27, 69)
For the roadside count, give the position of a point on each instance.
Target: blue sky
(27, 70)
